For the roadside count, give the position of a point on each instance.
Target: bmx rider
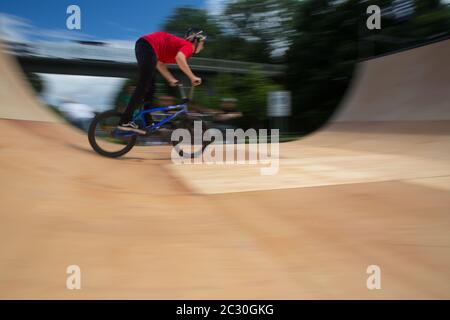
(153, 52)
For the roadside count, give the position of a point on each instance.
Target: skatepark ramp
(398, 105)
(371, 188)
(412, 85)
(17, 98)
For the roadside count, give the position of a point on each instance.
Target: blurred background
(299, 49)
(372, 188)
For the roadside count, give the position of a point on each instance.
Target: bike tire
(93, 141)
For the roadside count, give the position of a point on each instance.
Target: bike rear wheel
(104, 137)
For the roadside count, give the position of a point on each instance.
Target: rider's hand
(173, 82)
(196, 81)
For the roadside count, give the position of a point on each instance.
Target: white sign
(279, 104)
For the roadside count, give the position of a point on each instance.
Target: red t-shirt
(167, 46)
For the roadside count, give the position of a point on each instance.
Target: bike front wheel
(189, 148)
(104, 137)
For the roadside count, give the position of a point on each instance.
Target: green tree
(122, 96)
(219, 45)
(252, 91)
(185, 17)
(269, 22)
(331, 37)
(36, 82)
(223, 86)
(321, 59)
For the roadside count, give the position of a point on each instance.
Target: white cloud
(215, 7)
(96, 92)
(61, 34)
(128, 44)
(17, 29)
(14, 28)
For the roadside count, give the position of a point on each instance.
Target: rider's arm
(182, 63)
(162, 68)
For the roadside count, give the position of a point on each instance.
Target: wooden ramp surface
(140, 227)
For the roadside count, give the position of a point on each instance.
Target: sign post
(279, 109)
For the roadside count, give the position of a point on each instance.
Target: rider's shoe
(131, 126)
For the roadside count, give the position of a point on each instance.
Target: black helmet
(193, 34)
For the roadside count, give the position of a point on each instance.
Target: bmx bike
(108, 141)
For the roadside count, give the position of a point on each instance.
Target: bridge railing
(104, 52)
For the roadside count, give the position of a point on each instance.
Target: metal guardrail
(76, 51)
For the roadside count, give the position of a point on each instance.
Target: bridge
(102, 59)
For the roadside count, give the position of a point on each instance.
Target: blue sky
(118, 22)
(100, 19)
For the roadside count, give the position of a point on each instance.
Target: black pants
(145, 88)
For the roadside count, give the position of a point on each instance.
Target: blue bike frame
(182, 108)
